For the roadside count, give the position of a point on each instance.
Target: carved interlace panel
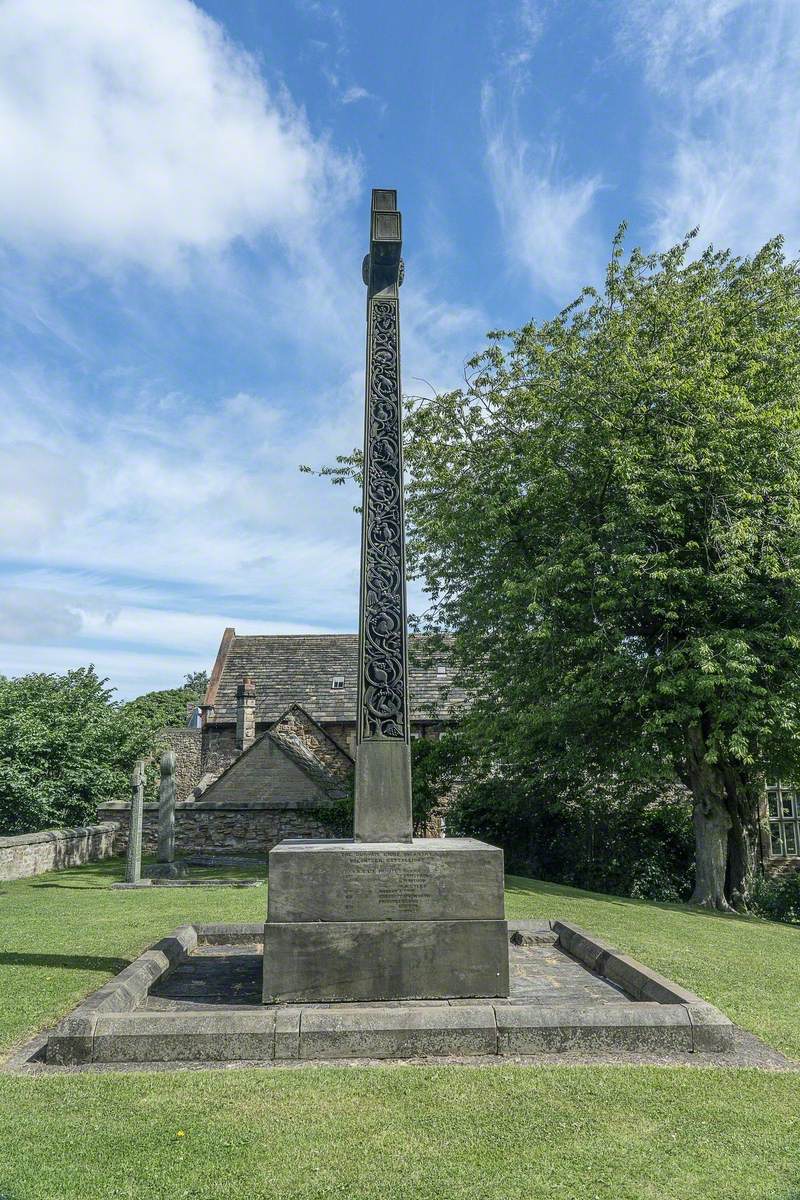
(383, 665)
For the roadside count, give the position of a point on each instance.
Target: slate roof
(298, 669)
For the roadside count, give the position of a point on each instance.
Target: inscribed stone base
(429, 879)
(385, 921)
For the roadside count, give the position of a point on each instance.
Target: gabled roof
(310, 747)
(303, 741)
(300, 668)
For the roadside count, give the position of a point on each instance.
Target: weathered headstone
(133, 866)
(384, 916)
(167, 796)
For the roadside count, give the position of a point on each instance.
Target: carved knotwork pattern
(383, 705)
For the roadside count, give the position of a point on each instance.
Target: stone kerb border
(111, 1027)
(711, 1030)
(73, 1039)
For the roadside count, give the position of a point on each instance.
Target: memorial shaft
(383, 770)
(383, 916)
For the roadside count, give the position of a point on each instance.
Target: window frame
(783, 816)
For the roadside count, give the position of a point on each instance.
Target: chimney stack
(245, 713)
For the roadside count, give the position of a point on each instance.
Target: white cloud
(726, 74)
(140, 648)
(356, 92)
(39, 489)
(547, 217)
(130, 672)
(527, 21)
(134, 131)
(193, 517)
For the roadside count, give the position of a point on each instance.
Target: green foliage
(196, 684)
(337, 815)
(607, 516)
(59, 750)
(142, 718)
(618, 835)
(66, 746)
(435, 764)
(432, 764)
(778, 898)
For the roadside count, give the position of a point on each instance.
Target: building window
(337, 683)
(441, 669)
(783, 807)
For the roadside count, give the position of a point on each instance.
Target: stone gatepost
(167, 796)
(245, 713)
(133, 867)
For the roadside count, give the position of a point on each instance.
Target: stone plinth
(385, 921)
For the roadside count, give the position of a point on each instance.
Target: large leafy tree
(607, 516)
(66, 746)
(59, 750)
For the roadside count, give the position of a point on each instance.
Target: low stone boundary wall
(53, 849)
(203, 826)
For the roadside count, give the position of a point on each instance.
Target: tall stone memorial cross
(384, 915)
(383, 764)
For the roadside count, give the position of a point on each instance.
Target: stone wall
(343, 733)
(219, 747)
(204, 827)
(775, 867)
(188, 747)
(54, 849)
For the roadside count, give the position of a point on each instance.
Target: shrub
(778, 898)
(59, 757)
(631, 839)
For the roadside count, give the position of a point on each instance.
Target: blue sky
(184, 195)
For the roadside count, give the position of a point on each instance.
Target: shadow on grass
(72, 887)
(67, 962)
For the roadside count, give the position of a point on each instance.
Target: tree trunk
(711, 824)
(712, 821)
(738, 880)
(742, 839)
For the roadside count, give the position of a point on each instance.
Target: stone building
(276, 741)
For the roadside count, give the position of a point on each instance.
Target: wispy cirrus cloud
(525, 26)
(332, 48)
(354, 93)
(547, 215)
(726, 138)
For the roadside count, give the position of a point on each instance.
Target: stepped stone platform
(194, 997)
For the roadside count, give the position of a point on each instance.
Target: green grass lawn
(571, 1133)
